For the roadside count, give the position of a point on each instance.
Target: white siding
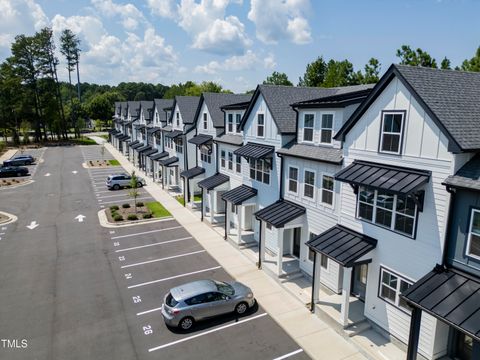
(210, 169)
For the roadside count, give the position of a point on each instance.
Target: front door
(296, 242)
(359, 286)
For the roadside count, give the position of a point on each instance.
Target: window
(391, 286)
(326, 129)
(260, 171)
(205, 155)
(473, 243)
(292, 179)
(391, 132)
(238, 164)
(230, 160)
(222, 158)
(260, 125)
(205, 122)
(309, 184)
(238, 118)
(179, 145)
(230, 123)
(327, 190)
(178, 118)
(308, 124)
(395, 212)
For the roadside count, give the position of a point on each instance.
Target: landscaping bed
(102, 163)
(3, 218)
(145, 211)
(181, 200)
(12, 182)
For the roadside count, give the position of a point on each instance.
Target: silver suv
(118, 181)
(203, 299)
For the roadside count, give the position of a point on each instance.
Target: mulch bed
(11, 182)
(3, 218)
(141, 210)
(98, 163)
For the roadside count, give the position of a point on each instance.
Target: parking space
(37, 155)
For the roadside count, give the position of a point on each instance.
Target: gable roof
(147, 107)
(215, 102)
(450, 97)
(160, 105)
(280, 98)
(187, 105)
(134, 108)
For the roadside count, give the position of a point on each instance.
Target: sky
(238, 43)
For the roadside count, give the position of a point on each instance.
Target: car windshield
(170, 301)
(224, 288)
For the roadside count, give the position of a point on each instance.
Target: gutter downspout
(226, 214)
(452, 192)
(201, 211)
(259, 264)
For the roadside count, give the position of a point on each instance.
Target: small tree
(133, 193)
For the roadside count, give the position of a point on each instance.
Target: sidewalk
(314, 335)
(7, 155)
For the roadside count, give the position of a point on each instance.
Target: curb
(5, 188)
(102, 218)
(11, 218)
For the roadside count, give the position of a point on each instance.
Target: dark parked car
(9, 171)
(19, 160)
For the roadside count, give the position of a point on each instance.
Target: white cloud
(248, 61)
(275, 20)
(269, 62)
(128, 13)
(163, 8)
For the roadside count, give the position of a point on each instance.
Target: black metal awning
(139, 126)
(151, 152)
(393, 179)
(113, 131)
(137, 145)
(191, 173)
(129, 123)
(118, 135)
(255, 151)
(134, 143)
(169, 161)
(450, 296)
(159, 155)
(144, 148)
(238, 195)
(200, 139)
(173, 134)
(153, 130)
(342, 245)
(280, 212)
(124, 138)
(213, 181)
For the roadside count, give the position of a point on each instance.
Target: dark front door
(359, 285)
(463, 347)
(296, 242)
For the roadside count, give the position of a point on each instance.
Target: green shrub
(147, 216)
(113, 213)
(126, 206)
(132, 217)
(114, 207)
(139, 203)
(118, 217)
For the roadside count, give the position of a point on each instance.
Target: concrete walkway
(7, 155)
(314, 335)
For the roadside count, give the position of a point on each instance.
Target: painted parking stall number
(116, 243)
(136, 299)
(128, 276)
(147, 330)
(121, 258)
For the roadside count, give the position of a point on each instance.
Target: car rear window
(170, 301)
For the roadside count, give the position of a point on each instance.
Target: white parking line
(289, 354)
(154, 244)
(206, 332)
(145, 232)
(162, 259)
(149, 311)
(117, 195)
(140, 198)
(173, 277)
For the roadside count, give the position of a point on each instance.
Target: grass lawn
(84, 141)
(197, 197)
(157, 209)
(180, 199)
(104, 137)
(114, 162)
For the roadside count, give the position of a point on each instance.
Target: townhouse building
(144, 121)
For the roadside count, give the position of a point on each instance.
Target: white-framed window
(205, 121)
(179, 145)
(473, 242)
(327, 189)
(326, 129)
(309, 184)
(230, 160)
(238, 164)
(391, 132)
(308, 126)
(168, 117)
(293, 179)
(391, 286)
(260, 171)
(395, 212)
(230, 123)
(177, 114)
(238, 118)
(222, 158)
(261, 125)
(205, 155)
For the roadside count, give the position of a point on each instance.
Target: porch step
(357, 328)
(247, 245)
(291, 276)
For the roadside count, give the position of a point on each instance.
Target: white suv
(118, 181)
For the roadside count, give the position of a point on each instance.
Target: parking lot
(32, 169)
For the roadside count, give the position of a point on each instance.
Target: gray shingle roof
(134, 107)
(147, 107)
(161, 104)
(313, 152)
(280, 98)
(454, 97)
(215, 101)
(188, 107)
(230, 139)
(468, 176)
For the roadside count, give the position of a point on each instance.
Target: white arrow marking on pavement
(80, 217)
(32, 225)
(4, 228)
(47, 174)
(74, 171)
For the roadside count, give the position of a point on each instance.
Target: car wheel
(186, 323)
(241, 308)
(140, 185)
(116, 187)
(19, 174)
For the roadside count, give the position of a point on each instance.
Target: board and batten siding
(210, 169)
(424, 147)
